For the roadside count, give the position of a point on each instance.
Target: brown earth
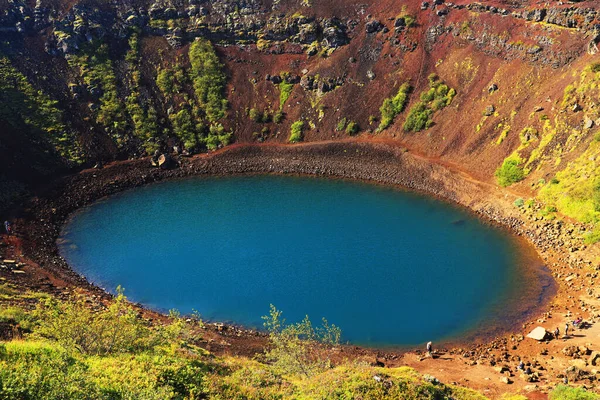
(472, 363)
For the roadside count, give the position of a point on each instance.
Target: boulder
(538, 333)
(373, 26)
(594, 358)
(165, 161)
(489, 110)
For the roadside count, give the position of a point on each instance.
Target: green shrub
(393, 106)
(510, 172)
(438, 96)
(184, 128)
(418, 118)
(341, 125)
(165, 81)
(410, 21)
(96, 69)
(265, 117)
(285, 91)
(595, 67)
(294, 347)
(352, 128)
(74, 325)
(563, 392)
(217, 137)
(254, 115)
(296, 134)
(208, 79)
(278, 117)
(34, 114)
(519, 202)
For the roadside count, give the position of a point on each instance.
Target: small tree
(76, 325)
(296, 348)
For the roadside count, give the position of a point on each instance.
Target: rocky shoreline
(558, 243)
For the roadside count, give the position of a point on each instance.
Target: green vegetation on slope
(96, 70)
(436, 98)
(285, 91)
(510, 171)
(76, 350)
(296, 132)
(393, 106)
(208, 79)
(33, 113)
(143, 116)
(194, 115)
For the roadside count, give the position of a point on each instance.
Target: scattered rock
(594, 358)
(373, 26)
(489, 111)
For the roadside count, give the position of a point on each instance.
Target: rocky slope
(505, 88)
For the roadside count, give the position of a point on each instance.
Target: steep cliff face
(506, 90)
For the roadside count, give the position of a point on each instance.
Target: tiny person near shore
(7, 227)
(556, 333)
(566, 329)
(430, 349)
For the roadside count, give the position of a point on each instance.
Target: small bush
(563, 392)
(410, 21)
(519, 202)
(341, 125)
(393, 106)
(595, 67)
(418, 118)
(285, 90)
(278, 117)
(352, 128)
(254, 115)
(296, 132)
(510, 172)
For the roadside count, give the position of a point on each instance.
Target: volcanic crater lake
(390, 267)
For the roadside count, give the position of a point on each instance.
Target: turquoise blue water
(387, 266)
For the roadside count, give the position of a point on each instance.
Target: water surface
(388, 266)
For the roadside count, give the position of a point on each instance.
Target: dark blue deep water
(388, 266)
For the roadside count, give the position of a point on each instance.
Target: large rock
(165, 161)
(373, 26)
(594, 358)
(538, 333)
